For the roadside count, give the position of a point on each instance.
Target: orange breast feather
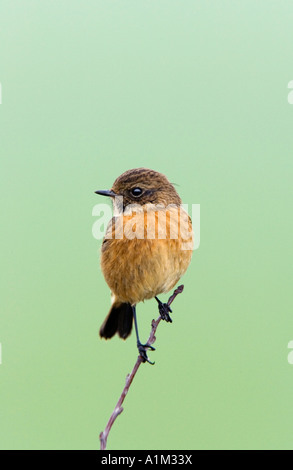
(145, 253)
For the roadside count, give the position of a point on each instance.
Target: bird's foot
(164, 310)
(142, 349)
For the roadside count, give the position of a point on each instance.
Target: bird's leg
(142, 348)
(164, 310)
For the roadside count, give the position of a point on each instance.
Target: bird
(147, 247)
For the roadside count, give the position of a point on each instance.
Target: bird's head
(143, 186)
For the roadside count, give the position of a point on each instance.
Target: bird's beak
(106, 192)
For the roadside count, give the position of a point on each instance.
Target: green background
(196, 90)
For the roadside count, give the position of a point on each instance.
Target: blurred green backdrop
(198, 91)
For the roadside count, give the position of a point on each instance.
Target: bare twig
(118, 408)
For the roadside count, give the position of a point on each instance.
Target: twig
(118, 408)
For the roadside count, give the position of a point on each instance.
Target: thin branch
(118, 408)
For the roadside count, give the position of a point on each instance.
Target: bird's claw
(164, 310)
(142, 349)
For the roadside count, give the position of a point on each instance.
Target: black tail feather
(119, 320)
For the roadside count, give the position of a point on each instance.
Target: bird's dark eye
(136, 192)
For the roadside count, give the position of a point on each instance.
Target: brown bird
(146, 249)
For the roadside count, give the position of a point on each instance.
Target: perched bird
(146, 249)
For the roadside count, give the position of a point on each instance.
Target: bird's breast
(145, 252)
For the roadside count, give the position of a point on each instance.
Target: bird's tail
(119, 320)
